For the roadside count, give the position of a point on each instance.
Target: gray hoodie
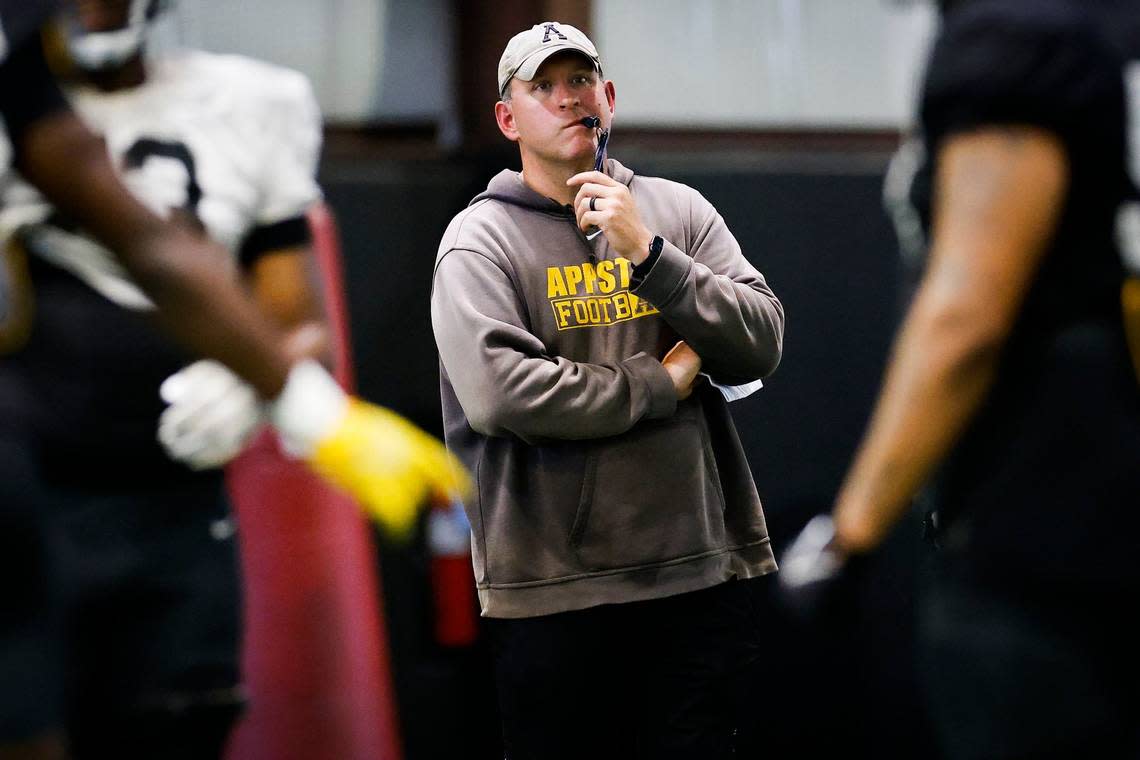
(594, 484)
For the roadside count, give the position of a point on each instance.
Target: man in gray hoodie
(615, 516)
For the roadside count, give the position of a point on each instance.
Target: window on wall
(370, 61)
(764, 63)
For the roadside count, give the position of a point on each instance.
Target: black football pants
(1040, 672)
(656, 679)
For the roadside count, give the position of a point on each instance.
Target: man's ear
(611, 95)
(505, 118)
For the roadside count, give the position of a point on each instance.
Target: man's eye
(542, 85)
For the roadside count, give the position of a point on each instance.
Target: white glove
(212, 413)
(813, 557)
(309, 408)
(818, 582)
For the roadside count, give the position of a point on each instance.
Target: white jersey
(232, 141)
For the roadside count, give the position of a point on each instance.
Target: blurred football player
(225, 148)
(1011, 395)
(378, 457)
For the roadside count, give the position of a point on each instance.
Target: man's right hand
(684, 366)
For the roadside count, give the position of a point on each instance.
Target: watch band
(655, 246)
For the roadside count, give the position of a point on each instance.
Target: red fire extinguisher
(453, 585)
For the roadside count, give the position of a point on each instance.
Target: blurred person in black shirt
(1011, 400)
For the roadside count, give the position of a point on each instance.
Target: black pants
(1031, 672)
(657, 679)
(152, 599)
(31, 672)
(198, 731)
(121, 623)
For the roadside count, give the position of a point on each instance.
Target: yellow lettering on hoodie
(573, 279)
(562, 312)
(626, 267)
(606, 281)
(622, 312)
(589, 277)
(589, 310)
(555, 285)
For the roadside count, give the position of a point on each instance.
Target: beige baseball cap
(527, 50)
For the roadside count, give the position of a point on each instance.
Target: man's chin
(579, 158)
(583, 158)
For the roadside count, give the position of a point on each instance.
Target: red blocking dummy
(315, 656)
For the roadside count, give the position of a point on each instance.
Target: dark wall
(391, 218)
(828, 254)
(822, 241)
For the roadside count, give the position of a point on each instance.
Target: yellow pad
(1130, 305)
(389, 465)
(17, 301)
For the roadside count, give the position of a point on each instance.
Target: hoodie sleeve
(507, 382)
(715, 299)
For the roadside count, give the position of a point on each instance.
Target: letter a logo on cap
(529, 48)
(551, 28)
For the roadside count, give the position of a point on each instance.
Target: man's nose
(568, 98)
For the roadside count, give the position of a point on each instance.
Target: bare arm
(200, 304)
(284, 284)
(998, 193)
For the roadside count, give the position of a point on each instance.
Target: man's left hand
(614, 213)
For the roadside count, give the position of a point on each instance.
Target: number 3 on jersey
(147, 167)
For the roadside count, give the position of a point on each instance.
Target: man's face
(544, 115)
(102, 15)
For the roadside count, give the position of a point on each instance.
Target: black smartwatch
(642, 269)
